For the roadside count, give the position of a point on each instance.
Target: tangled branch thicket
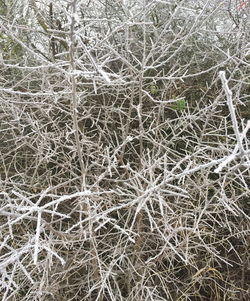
(124, 150)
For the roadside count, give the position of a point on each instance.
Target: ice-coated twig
(238, 150)
(38, 230)
(231, 110)
(234, 154)
(55, 254)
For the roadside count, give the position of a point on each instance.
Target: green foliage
(10, 48)
(155, 18)
(153, 89)
(42, 23)
(179, 105)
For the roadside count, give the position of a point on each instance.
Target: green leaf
(42, 23)
(153, 89)
(179, 105)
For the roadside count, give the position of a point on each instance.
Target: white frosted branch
(238, 150)
(55, 254)
(38, 230)
(231, 109)
(226, 161)
(105, 75)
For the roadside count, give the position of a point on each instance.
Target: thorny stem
(231, 110)
(74, 95)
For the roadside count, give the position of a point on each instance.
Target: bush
(124, 152)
